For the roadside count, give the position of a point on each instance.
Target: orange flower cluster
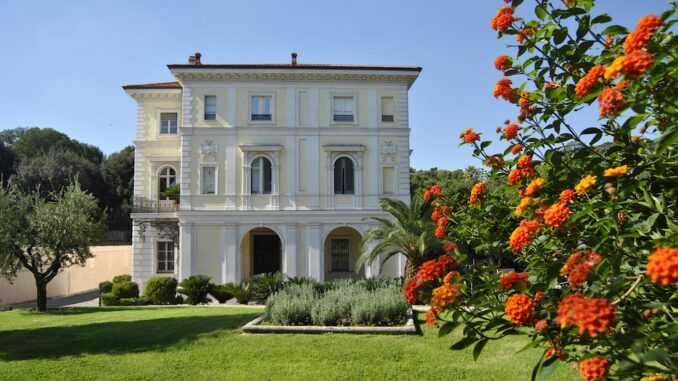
(476, 192)
(655, 377)
(524, 161)
(549, 85)
(433, 269)
(567, 196)
(432, 192)
(431, 316)
(451, 276)
(556, 214)
(519, 308)
(662, 266)
(539, 296)
(616, 171)
(589, 81)
(511, 131)
(502, 19)
(513, 279)
(514, 176)
(612, 71)
(639, 38)
(541, 325)
(444, 295)
(449, 247)
(523, 235)
(524, 104)
(440, 232)
(593, 316)
(594, 368)
(411, 289)
(522, 206)
(494, 161)
(587, 182)
(636, 63)
(611, 101)
(523, 34)
(503, 62)
(534, 186)
(503, 89)
(517, 148)
(469, 136)
(578, 266)
(443, 221)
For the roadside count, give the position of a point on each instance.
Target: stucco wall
(108, 262)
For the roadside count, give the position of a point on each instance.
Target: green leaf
(530, 345)
(559, 35)
(601, 19)
(447, 328)
(540, 11)
(463, 343)
(614, 30)
(479, 348)
(547, 368)
(668, 139)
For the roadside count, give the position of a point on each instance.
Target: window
(342, 109)
(168, 178)
(387, 109)
(165, 257)
(339, 251)
(209, 177)
(261, 176)
(168, 122)
(210, 107)
(260, 108)
(388, 179)
(343, 176)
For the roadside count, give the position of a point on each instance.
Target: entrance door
(265, 254)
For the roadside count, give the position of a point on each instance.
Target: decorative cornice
(160, 94)
(223, 75)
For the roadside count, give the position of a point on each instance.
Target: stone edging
(255, 327)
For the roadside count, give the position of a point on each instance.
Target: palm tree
(408, 231)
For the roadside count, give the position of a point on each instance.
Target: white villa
(277, 166)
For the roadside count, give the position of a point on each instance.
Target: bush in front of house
(161, 290)
(125, 289)
(108, 299)
(122, 278)
(263, 285)
(105, 287)
(196, 288)
(241, 292)
(138, 301)
(383, 307)
(291, 305)
(222, 292)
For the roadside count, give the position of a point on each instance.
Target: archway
(262, 252)
(341, 249)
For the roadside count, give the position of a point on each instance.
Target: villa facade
(246, 169)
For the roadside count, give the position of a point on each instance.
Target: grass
(207, 343)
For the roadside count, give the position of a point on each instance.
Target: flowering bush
(590, 214)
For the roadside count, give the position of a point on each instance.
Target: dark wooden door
(265, 254)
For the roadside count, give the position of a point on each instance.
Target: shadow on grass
(113, 337)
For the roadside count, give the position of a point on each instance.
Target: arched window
(261, 176)
(343, 176)
(167, 178)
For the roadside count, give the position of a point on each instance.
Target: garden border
(255, 326)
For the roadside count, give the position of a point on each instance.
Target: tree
(6, 163)
(117, 171)
(44, 237)
(407, 231)
(34, 141)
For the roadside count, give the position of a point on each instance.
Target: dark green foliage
(34, 141)
(125, 289)
(241, 292)
(196, 288)
(122, 278)
(105, 286)
(221, 292)
(6, 163)
(108, 299)
(161, 290)
(456, 181)
(263, 285)
(138, 301)
(117, 171)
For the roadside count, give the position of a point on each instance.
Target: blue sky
(64, 62)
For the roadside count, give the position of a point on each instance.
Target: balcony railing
(169, 204)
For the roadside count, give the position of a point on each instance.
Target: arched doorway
(342, 247)
(262, 252)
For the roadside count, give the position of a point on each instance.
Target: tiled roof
(157, 85)
(297, 66)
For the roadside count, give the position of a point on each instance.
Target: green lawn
(207, 344)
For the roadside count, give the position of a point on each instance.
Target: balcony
(146, 205)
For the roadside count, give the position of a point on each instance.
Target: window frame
(262, 174)
(344, 183)
(354, 96)
(216, 179)
(348, 254)
(165, 262)
(160, 126)
(381, 109)
(160, 177)
(213, 116)
(250, 96)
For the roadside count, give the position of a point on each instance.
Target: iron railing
(169, 204)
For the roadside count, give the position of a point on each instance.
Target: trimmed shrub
(122, 278)
(140, 301)
(125, 289)
(241, 292)
(196, 288)
(263, 285)
(105, 287)
(161, 290)
(384, 306)
(222, 292)
(108, 299)
(292, 305)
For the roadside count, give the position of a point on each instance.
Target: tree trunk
(42, 295)
(411, 268)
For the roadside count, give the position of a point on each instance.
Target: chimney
(195, 59)
(191, 60)
(294, 58)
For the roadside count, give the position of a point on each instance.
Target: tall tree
(6, 163)
(407, 231)
(45, 237)
(34, 141)
(118, 175)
